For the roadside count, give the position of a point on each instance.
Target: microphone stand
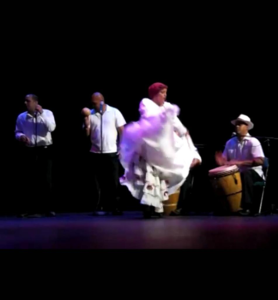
(101, 151)
(267, 138)
(269, 154)
(36, 139)
(101, 126)
(268, 141)
(101, 145)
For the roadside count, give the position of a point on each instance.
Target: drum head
(223, 170)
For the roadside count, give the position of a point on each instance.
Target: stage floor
(131, 231)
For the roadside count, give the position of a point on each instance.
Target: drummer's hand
(220, 160)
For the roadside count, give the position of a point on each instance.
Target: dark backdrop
(211, 82)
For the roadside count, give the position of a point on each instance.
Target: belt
(39, 147)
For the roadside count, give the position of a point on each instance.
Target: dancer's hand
(195, 163)
(177, 133)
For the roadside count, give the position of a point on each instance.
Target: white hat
(244, 119)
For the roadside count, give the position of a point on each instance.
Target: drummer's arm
(222, 158)
(255, 162)
(258, 161)
(257, 154)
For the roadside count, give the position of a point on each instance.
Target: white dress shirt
(112, 119)
(248, 149)
(37, 129)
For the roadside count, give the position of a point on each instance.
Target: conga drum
(226, 183)
(172, 203)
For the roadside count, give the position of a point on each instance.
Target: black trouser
(105, 179)
(248, 178)
(185, 192)
(35, 178)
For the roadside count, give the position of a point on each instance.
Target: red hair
(155, 88)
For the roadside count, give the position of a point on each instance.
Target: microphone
(233, 134)
(101, 107)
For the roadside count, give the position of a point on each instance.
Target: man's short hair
(33, 96)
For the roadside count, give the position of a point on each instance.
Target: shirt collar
(108, 108)
(246, 138)
(28, 116)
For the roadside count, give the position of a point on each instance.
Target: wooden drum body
(226, 182)
(171, 204)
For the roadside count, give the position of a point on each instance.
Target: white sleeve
(18, 129)
(257, 150)
(120, 121)
(178, 126)
(48, 119)
(147, 108)
(197, 155)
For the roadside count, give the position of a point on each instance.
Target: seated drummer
(184, 197)
(246, 152)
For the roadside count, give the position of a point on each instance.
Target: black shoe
(159, 215)
(117, 212)
(51, 214)
(176, 213)
(245, 212)
(147, 212)
(100, 213)
(275, 211)
(34, 216)
(22, 216)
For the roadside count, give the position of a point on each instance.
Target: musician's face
(31, 104)
(160, 98)
(96, 100)
(241, 128)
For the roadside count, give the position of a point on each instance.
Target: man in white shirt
(34, 131)
(246, 152)
(156, 152)
(104, 125)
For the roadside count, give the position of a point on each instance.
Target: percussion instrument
(171, 204)
(226, 183)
